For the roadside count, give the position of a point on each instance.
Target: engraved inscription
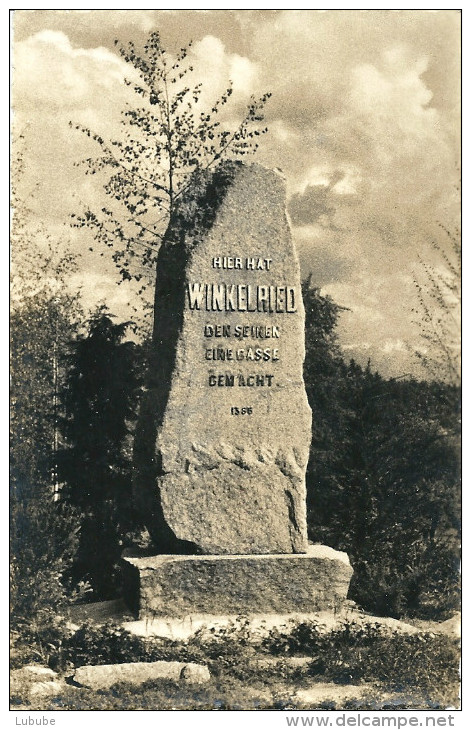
(264, 298)
(235, 262)
(242, 331)
(250, 381)
(245, 411)
(241, 297)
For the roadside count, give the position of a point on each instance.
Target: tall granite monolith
(223, 439)
(223, 436)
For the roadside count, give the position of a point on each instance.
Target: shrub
(365, 653)
(44, 537)
(112, 644)
(99, 402)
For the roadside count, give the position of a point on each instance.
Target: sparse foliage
(165, 139)
(438, 290)
(39, 330)
(44, 317)
(43, 533)
(44, 540)
(39, 263)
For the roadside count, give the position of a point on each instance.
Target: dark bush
(44, 538)
(112, 644)
(383, 475)
(372, 652)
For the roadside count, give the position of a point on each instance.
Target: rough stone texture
(195, 673)
(98, 612)
(35, 673)
(209, 481)
(105, 675)
(182, 628)
(34, 680)
(47, 689)
(178, 586)
(322, 693)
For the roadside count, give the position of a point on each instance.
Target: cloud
(396, 345)
(363, 121)
(318, 202)
(353, 89)
(55, 83)
(100, 288)
(371, 157)
(50, 73)
(215, 68)
(86, 28)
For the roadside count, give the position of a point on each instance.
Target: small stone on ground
(104, 676)
(322, 692)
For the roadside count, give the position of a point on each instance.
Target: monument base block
(181, 585)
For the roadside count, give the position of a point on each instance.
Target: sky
(364, 121)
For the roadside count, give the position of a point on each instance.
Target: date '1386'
(235, 411)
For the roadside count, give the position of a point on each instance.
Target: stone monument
(223, 438)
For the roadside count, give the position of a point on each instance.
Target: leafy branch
(165, 139)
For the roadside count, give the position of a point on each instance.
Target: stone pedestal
(181, 585)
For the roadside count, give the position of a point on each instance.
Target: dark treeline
(382, 481)
(383, 475)
(100, 396)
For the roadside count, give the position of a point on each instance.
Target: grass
(390, 670)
